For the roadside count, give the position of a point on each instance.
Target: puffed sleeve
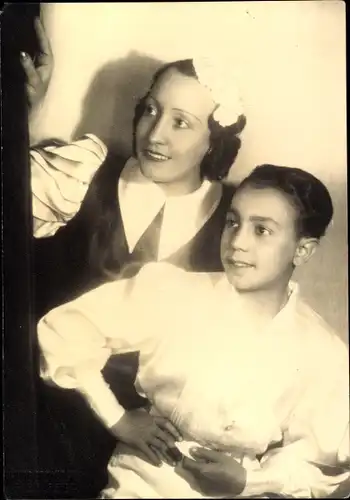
(76, 339)
(308, 465)
(60, 177)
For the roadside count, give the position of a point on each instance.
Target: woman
(163, 204)
(254, 378)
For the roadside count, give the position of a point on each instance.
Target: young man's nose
(239, 239)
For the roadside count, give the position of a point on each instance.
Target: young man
(236, 362)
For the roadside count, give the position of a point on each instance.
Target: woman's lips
(154, 155)
(239, 264)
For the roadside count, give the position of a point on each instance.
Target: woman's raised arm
(38, 74)
(60, 172)
(60, 177)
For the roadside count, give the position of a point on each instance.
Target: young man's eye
(262, 231)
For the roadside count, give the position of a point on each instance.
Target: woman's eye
(231, 223)
(150, 110)
(262, 231)
(180, 123)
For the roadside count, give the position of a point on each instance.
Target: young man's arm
(311, 462)
(77, 338)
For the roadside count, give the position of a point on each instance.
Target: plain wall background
(291, 68)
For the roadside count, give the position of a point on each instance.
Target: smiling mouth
(239, 264)
(154, 156)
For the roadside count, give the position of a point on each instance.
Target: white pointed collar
(284, 316)
(140, 201)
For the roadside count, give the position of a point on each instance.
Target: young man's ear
(305, 250)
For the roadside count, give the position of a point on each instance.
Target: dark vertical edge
(20, 451)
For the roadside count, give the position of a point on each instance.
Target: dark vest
(92, 248)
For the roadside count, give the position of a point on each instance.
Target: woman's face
(172, 135)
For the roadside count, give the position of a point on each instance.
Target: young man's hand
(154, 437)
(215, 472)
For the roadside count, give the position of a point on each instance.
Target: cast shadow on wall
(108, 107)
(107, 112)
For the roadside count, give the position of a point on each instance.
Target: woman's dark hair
(307, 194)
(224, 141)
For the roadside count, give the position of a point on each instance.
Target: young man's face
(259, 243)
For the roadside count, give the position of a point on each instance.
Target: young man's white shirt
(222, 383)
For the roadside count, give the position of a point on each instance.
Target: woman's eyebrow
(151, 98)
(232, 211)
(187, 113)
(180, 110)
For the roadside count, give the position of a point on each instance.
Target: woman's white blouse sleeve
(77, 338)
(60, 177)
(308, 465)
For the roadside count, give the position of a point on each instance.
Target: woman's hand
(155, 436)
(38, 73)
(215, 472)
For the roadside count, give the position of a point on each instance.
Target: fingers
(192, 465)
(150, 453)
(158, 453)
(159, 444)
(170, 428)
(175, 454)
(162, 433)
(45, 56)
(31, 93)
(29, 69)
(167, 440)
(206, 455)
(162, 451)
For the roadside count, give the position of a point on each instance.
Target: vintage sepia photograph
(175, 250)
